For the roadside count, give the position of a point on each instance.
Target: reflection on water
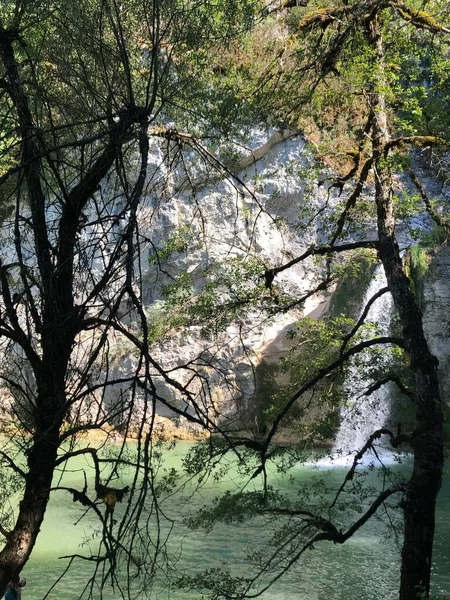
(364, 568)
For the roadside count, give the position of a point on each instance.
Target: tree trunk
(427, 441)
(21, 540)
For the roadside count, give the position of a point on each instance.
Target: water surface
(364, 568)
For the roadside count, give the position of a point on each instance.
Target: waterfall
(364, 414)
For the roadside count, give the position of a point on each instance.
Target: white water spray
(363, 415)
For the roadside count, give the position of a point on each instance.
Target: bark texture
(419, 501)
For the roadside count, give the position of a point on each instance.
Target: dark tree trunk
(21, 540)
(419, 501)
(59, 318)
(427, 442)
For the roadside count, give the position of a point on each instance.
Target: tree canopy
(90, 93)
(84, 88)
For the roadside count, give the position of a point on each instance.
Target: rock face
(436, 315)
(259, 215)
(201, 224)
(193, 227)
(197, 227)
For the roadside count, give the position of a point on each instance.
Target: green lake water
(365, 568)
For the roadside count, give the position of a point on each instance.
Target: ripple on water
(362, 569)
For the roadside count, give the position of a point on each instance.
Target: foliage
(351, 286)
(419, 256)
(314, 344)
(352, 76)
(86, 89)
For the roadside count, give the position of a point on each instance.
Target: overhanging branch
(437, 218)
(270, 274)
(394, 379)
(414, 140)
(363, 316)
(322, 373)
(327, 532)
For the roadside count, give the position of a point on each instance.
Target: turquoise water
(365, 568)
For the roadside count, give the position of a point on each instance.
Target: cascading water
(365, 414)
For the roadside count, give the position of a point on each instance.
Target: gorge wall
(202, 227)
(195, 231)
(259, 216)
